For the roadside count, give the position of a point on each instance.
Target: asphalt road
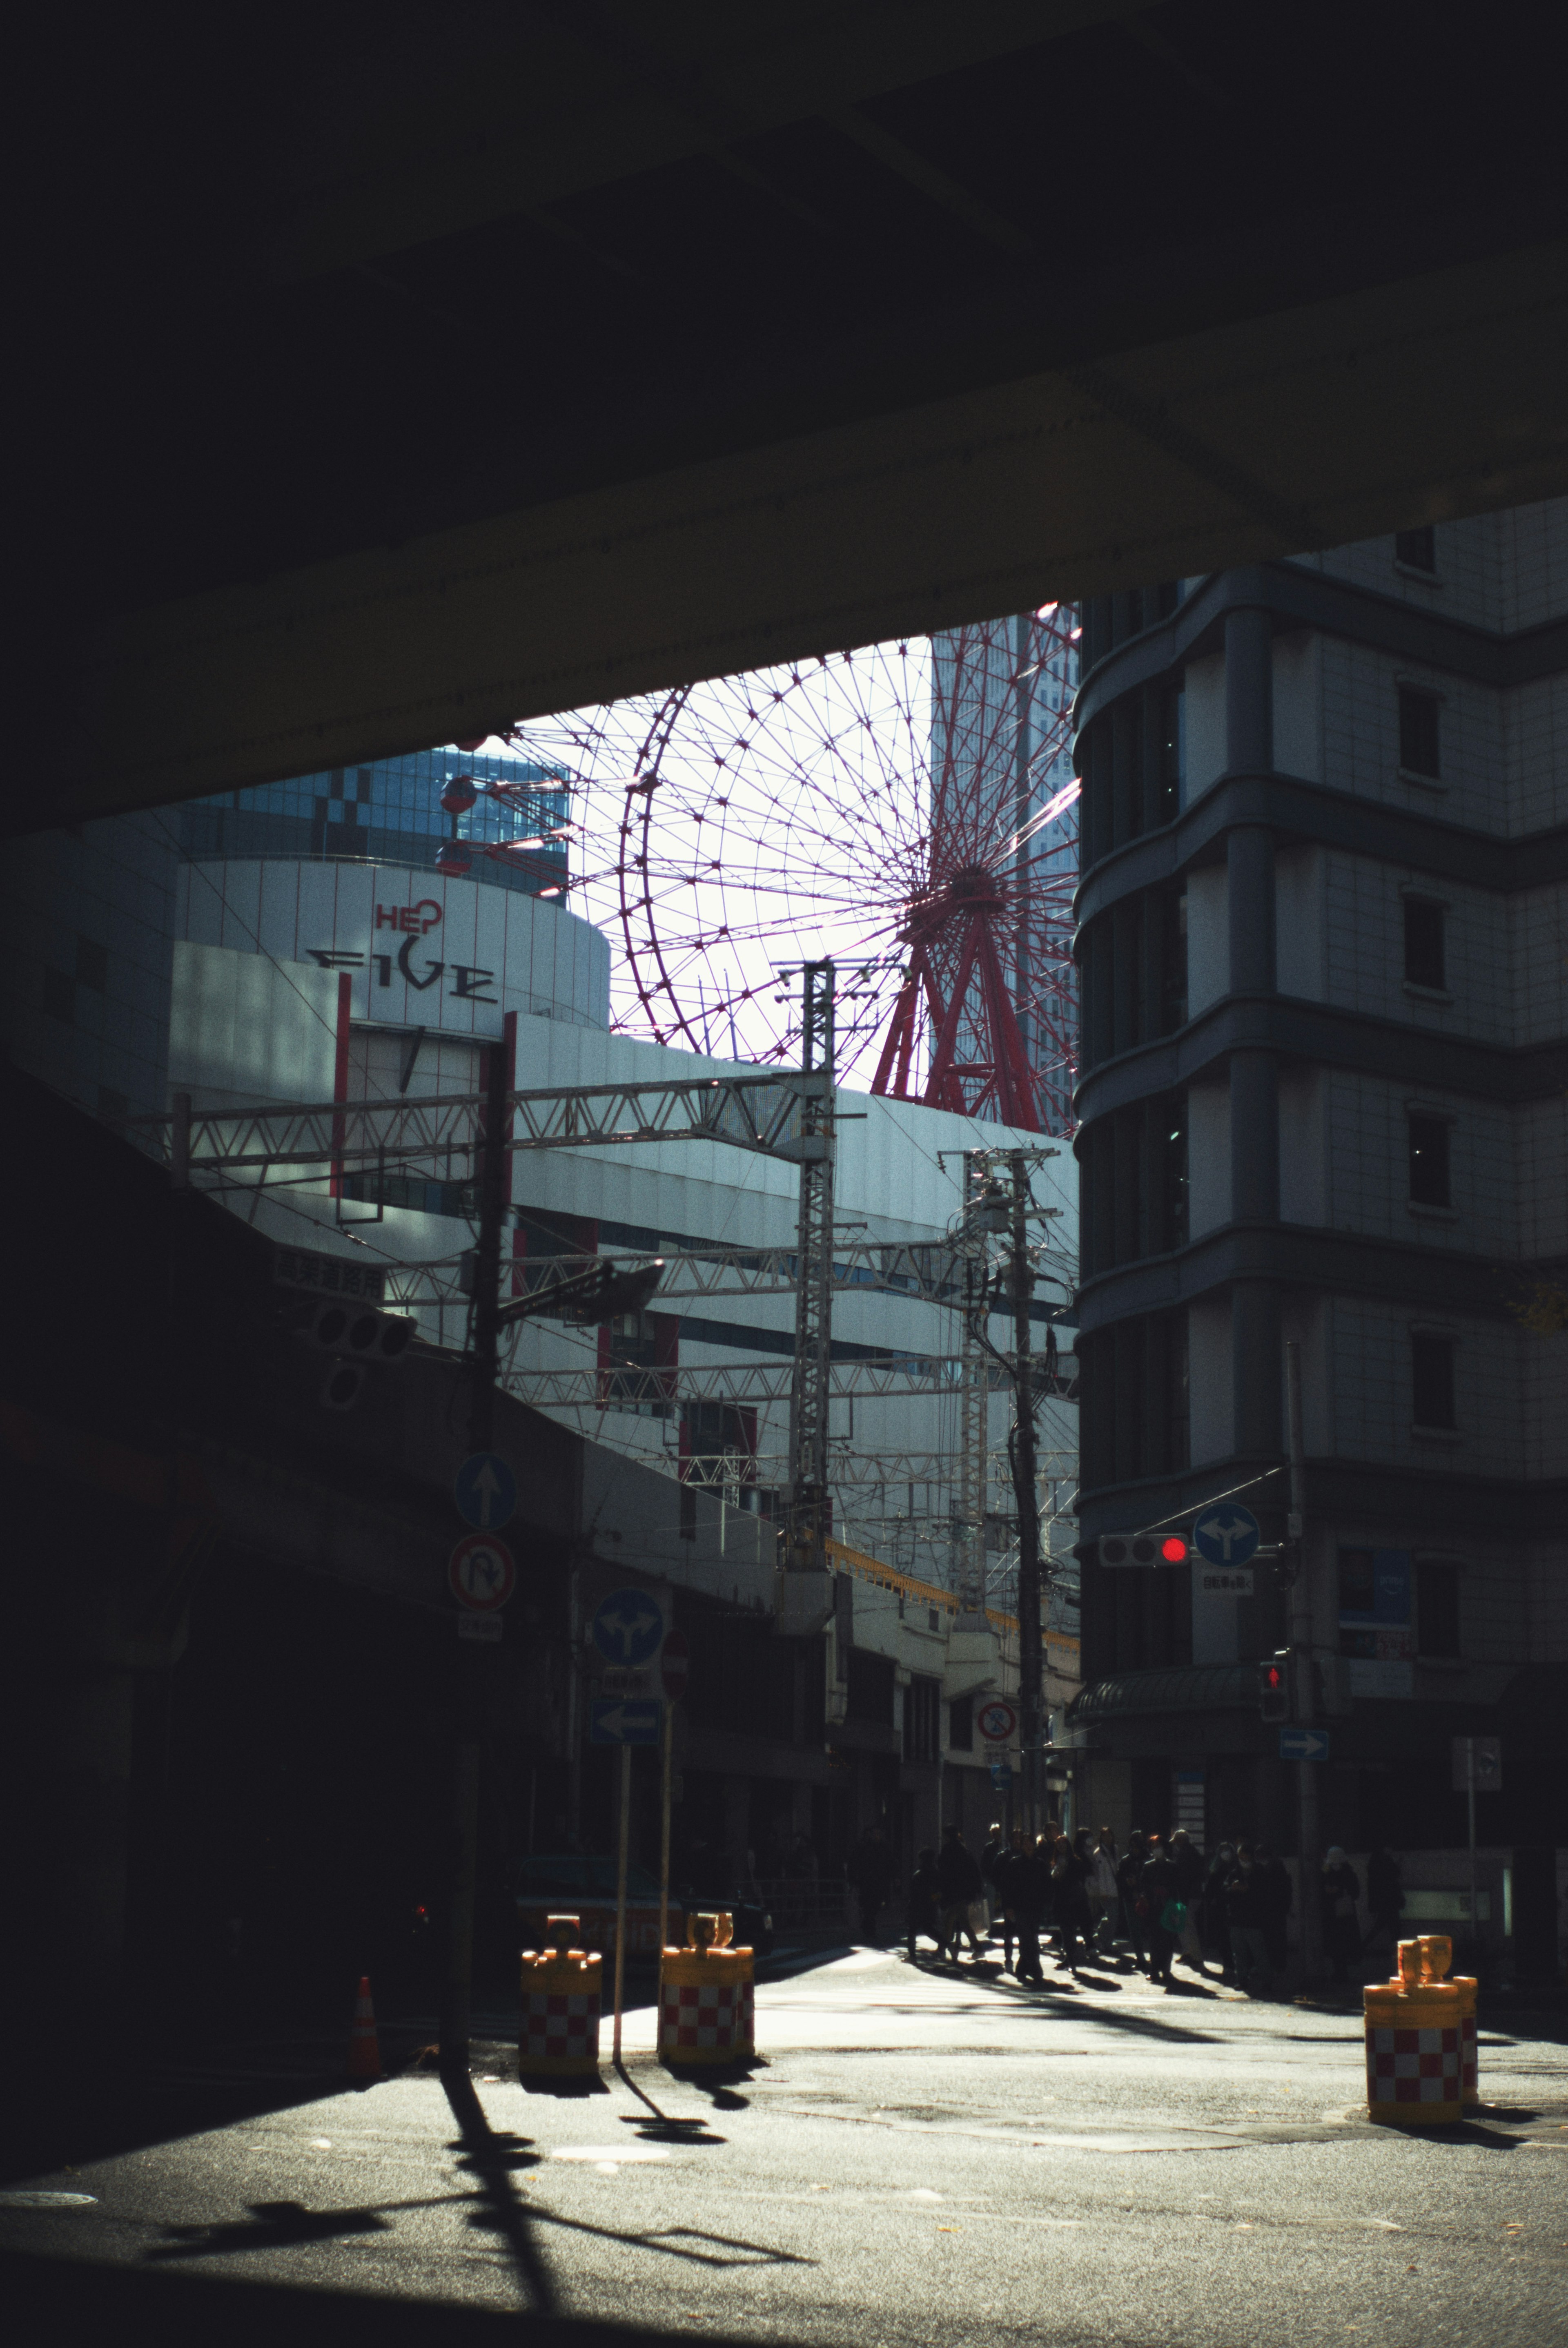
(918, 2154)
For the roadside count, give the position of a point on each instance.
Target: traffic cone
(364, 2045)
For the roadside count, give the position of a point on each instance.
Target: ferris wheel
(905, 809)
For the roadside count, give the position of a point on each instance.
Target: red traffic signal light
(1174, 1550)
(1274, 1689)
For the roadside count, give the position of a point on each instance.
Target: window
(870, 1696)
(961, 1725)
(1428, 1161)
(922, 1719)
(1432, 1379)
(1437, 1608)
(1426, 962)
(60, 995)
(1419, 733)
(1416, 549)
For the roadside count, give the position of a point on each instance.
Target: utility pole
(1030, 1685)
(975, 1392)
(1303, 1675)
(807, 1509)
(484, 1360)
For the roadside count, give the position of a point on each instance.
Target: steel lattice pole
(807, 1509)
(1030, 1677)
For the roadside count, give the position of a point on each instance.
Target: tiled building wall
(1373, 1403)
(1361, 736)
(86, 989)
(1364, 913)
(1368, 1167)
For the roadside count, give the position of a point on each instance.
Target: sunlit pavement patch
(618, 2153)
(31, 2200)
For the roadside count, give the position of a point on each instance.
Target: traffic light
(1142, 1549)
(1273, 1687)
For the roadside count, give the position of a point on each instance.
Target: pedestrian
(1188, 1863)
(1385, 1902)
(1339, 1889)
(1070, 1902)
(1134, 1905)
(1028, 1891)
(1104, 1892)
(1005, 1866)
(1245, 1900)
(1161, 1922)
(1214, 1924)
(1278, 1898)
(870, 1870)
(992, 1858)
(960, 1887)
(922, 1912)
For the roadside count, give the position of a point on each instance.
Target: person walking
(959, 1885)
(1187, 1862)
(1104, 1891)
(870, 1870)
(1278, 1898)
(922, 1910)
(1385, 1902)
(1028, 1890)
(1134, 1905)
(1158, 1887)
(1070, 1902)
(993, 1858)
(1213, 1923)
(1244, 1901)
(1008, 1924)
(1339, 1889)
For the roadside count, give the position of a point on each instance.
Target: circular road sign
(482, 1572)
(997, 1721)
(1225, 1534)
(628, 1628)
(486, 1491)
(675, 1665)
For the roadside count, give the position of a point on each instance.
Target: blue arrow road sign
(629, 1627)
(625, 1719)
(1304, 1744)
(1224, 1534)
(486, 1491)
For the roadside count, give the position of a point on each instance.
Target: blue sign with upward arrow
(486, 1491)
(1224, 1534)
(625, 1719)
(628, 1628)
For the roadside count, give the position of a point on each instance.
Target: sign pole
(1304, 1681)
(620, 1898)
(1474, 1888)
(664, 1835)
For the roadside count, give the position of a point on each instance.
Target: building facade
(1322, 1104)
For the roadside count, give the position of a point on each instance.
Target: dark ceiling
(402, 373)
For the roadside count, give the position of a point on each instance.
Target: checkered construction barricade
(558, 2031)
(1414, 2054)
(706, 2006)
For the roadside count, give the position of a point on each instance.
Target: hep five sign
(410, 920)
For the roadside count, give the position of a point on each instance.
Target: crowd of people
(1159, 1899)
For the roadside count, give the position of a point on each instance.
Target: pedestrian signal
(1274, 1689)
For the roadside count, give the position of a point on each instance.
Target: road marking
(35, 2201)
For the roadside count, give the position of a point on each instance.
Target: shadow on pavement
(53, 2300)
(492, 2157)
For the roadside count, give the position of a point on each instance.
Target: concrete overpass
(409, 374)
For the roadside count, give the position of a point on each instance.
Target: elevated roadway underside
(410, 374)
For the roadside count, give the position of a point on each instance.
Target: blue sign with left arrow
(625, 1719)
(486, 1491)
